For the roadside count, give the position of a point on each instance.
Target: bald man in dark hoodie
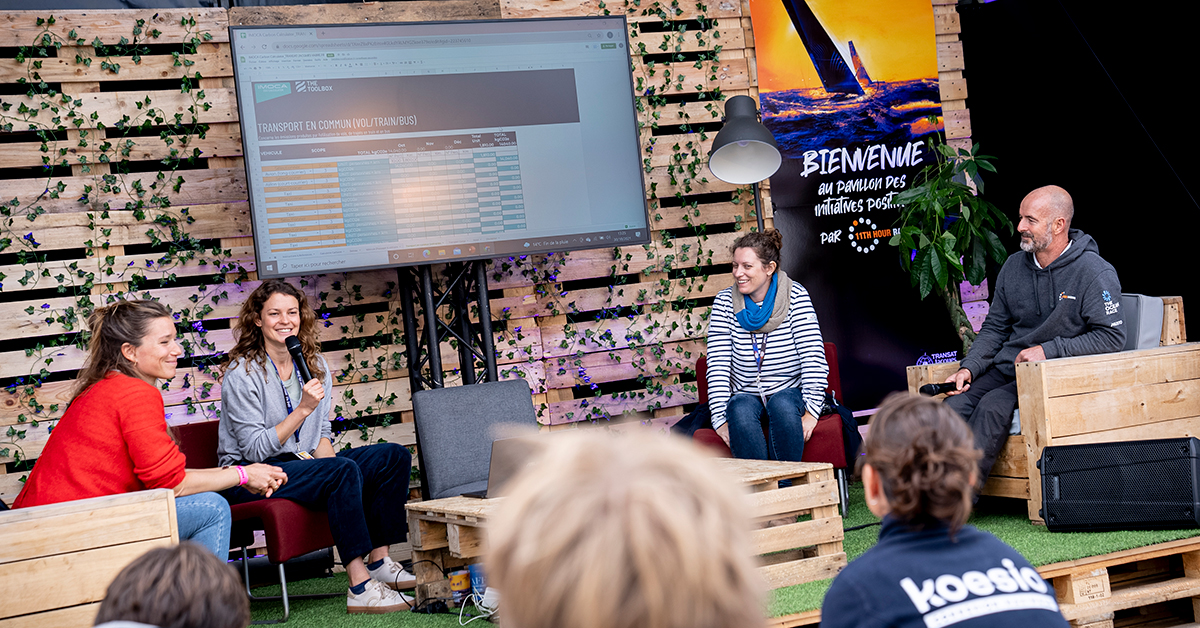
(1055, 298)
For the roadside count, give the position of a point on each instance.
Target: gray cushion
(456, 427)
(1143, 321)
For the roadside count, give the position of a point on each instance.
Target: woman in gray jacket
(269, 415)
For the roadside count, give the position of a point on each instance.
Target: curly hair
(925, 456)
(627, 531)
(252, 347)
(766, 245)
(112, 326)
(184, 586)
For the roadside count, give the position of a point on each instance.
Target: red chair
(826, 444)
(291, 530)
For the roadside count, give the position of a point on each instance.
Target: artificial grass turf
(1004, 518)
(321, 613)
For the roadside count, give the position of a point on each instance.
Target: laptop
(509, 456)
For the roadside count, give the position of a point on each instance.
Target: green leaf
(924, 273)
(937, 268)
(977, 269)
(995, 247)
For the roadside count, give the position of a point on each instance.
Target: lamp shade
(744, 151)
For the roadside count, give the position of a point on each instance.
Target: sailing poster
(849, 89)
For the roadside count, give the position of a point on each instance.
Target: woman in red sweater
(113, 437)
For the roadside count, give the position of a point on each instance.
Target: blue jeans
(363, 490)
(204, 518)
(784, 439)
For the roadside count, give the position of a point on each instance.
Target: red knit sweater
(113, 439)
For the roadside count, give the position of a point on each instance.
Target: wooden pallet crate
(1130, 588)
(449, 533)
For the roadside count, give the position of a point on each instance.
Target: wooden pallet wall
(603, 336)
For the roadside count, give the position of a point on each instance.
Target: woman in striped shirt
(766, 359)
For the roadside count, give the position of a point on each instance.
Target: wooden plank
(366, 12)
(946, 21)
(1068, 377)
(114, 105)
(553, 301)
(953, 89)
(1123, 407)
(19, 28)
(957, 123)
(922, 374)
(81, 616)
(685, 78)
(465, 541)
(221, 185)
(1032, 399)
(1083, 586)
(732, 37)
(606, 406)
(1007, 487)
(1011, 460)
(618, 365)
(1133, 597)
(1174, 325)
(1147, 552)
(595, 263)
(950, 56)
(91, 572)
(801, 571)
(65, 69)
(1177, 428)
(222, 139)
(571, 8)
(793, 535)
(793, 499)
(611, 334)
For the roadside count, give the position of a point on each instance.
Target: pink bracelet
(242, 477)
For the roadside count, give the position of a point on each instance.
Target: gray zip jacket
(1071, 307)
(251, 407)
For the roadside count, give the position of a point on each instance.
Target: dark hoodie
(1071, 307)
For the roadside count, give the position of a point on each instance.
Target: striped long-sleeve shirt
(794, 356)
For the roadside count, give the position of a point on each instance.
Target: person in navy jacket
(930, 569)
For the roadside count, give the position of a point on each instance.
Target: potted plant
(946, 232)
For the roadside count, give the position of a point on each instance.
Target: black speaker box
(1136, 485)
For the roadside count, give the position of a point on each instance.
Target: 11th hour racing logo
(312, 86)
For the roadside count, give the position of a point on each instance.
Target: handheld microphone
(933, 389)
(293, 346)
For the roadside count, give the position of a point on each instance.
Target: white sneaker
(377, 600)
(391, 574)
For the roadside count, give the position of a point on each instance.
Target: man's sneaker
(393, 575)
(377, 600)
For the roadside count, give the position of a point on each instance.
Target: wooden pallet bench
(57, 561)
(1129, 395)
(450, 533)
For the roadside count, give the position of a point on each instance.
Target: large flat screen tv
(382, 145)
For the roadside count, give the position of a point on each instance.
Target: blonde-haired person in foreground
(627, 531)
(930, 568)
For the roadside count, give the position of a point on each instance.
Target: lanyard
(758, 360)
(287, 399)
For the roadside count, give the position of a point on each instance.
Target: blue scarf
(754, 316)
